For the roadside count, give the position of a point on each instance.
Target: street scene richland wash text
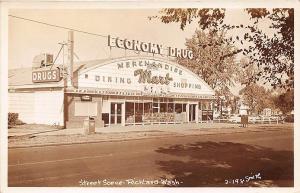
(130, 182)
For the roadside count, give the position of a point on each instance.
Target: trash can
(89, 125)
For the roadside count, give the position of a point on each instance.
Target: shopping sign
(46, 76)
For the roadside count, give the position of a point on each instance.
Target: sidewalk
(42, 130)
(38, 135)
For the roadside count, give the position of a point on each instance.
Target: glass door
(115, 113)
(192, 112)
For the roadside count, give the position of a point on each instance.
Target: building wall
(22, 103)
(40, 107)
(47, 106)
(74, 121)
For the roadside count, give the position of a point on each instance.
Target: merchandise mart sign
(137, 45)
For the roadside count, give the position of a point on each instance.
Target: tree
(257, 98)
(233, 103)
(211, 62)
(273, 54)
(285, 101)
(247, 72)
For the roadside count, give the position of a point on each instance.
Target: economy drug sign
(149, 47)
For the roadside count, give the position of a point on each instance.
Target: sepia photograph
(150, 97)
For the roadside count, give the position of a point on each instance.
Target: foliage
(285, 101)
(273, 54)
(247, 72)
(233, 103)
(257, 98)
(12, 119)
(207, 17)
(289, 118)
(211, 60)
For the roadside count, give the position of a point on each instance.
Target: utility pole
(221, 103)
(70, 83)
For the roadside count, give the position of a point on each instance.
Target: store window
(200, 106)
(163, 107)
(156, 110)
(204, 105)
(138, 112)
(147, 107)
(209, 106)
(178, 108)
(170, 107)
(147, 118)
(183, 107)
(155, 107)
(180, 112)
(129, 112)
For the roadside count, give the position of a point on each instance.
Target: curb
(130, 139)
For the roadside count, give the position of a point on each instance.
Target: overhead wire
(58, 26)
(75, 30)
(62, 27)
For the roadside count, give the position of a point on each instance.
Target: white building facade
(123, 91)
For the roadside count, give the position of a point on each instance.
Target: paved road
(196, 161)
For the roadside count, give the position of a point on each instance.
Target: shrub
(289, 118)
(12, 119)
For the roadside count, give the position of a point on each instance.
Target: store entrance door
(192, 112)
(115, 113)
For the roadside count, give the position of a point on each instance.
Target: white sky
(27, 39)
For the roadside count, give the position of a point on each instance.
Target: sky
(28, 39)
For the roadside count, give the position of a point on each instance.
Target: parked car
(253, 119)
(235, 118)
(222, 117)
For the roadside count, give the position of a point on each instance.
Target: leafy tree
(247, 72)
(273, 54)
(257, 98)
(211, 62)
(234, 104)
(285, 101)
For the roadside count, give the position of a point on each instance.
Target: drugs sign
(46, 76)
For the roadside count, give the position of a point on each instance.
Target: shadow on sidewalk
(211, 163)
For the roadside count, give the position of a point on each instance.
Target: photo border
(5, 6)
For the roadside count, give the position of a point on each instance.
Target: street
(262, 158)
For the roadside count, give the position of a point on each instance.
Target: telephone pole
(70, 83)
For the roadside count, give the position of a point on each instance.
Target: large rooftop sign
(149, 47)
(144, 75)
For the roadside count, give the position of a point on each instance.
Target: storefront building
(124, 91)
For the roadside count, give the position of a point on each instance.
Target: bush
(12, 119)
(289, 118)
